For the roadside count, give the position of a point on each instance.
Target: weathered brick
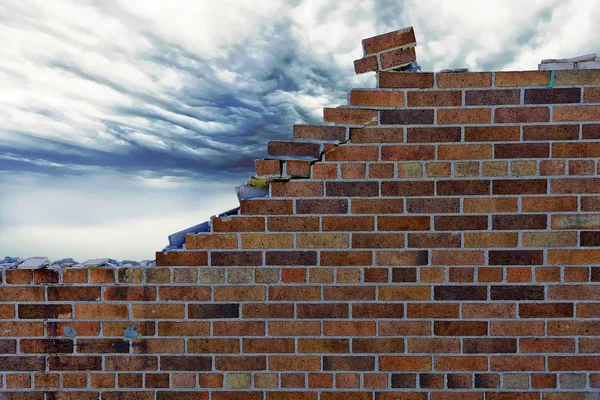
(376, 98)
(348, 363)
(410, 152)
(44, 311)
(366, 64)
(446, 116)
(319, 132)
(350, 116)
(129, 293)
(434, 98)
(296, 189)
(522, 114)
(352, 189)
(159, 311)
(406, 117)
(376, 135)
(491, 97)
(461, 363)
(407, 188)
(74, 293)
(462, 222)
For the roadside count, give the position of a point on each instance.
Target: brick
(432, 135)
(325, 240)
(294, 293)
(573, 363)
(267, 241)
(158, 311)
(492, 133)
(489, 345)
(375, 381)
(403, 223)
(111, 346)
(434, 98)
(236, 395)
(291, 258)
(491, 97)
(462, 274)
(376, 135)
(324, 171)
(446, 116)
(461, 187)
(448, 205)
(547, 345)
(522, 114)
(573, 257)
(489, 310)
(385, 170)
(522, 150)
(258, 207)
(293, 224)
(267, 167)
(582, 167)
(434, 240)
(389, 40)
(211, 311)
(457, 257)
(517, 363)
(353, 153)
(576, 113)
(494, 239)
(497, 168)
(407, 188)
(366, 64)
(294, 363)
(406, 117)
(463, 222)
(187, 363)
(410, 170)
(350, 116)
(552, 96)
(464, 169)
(346, 258)
(404, 380)
(485, 274)
(377, 311)
(322, 206)
(236, 258)
(551, 132)
(352, 189)
(376, 98)
(549, 239)
(158, 275)
(522, 78)
(129, 275)
(464, 79)
(581, 185)
(543, 381)
(322, 311)
(461, 363)
(21, 294)
(319, 132)
(433, 345)
(74, 293)
(293, 149)
(44, 311)
(516, 257)
(404, 293)
(517, 292)
(296, 189)
(411, 152)
(574, 292)
(405, 80)
(519, 186)
(377, 240)
(580, 77)
(490, 205)
(401, 258)
(239, 293)
(405, 363)
(518, 274)
(348, 363)
(552, 167)
(571, 328)
(348, 223)
(590, 131)
(591, 238)
(102, 275)
(179, 258)
(405, 328)
(72, 363)
(563, 203)
(459, 381)
(519, 221)
(18, 276)
(576, 150)
(460, 293)
(432, 310)
(349, 328)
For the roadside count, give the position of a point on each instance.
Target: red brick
(433, 240)
(491, 97)
(389, 40)
(590, 131)
(464, 79)
(461, 363)
(576, 113)
(522, 78)
(492, 133)
(293, 224)
(376, 135)
(261, 207)
(365, 64)
(407, 188)
(294, 363)
(447, 116)
(403, 153)
(524, 150)
(353, 153)
(403, 223)
(522, 114)
(267, 167)
(350, 116)
(404, 293)
(551, 132)
(376, 98)
(576, 186)
(405, 80)
(297, 189)
(352, 189)
(293, 149)
(547, 345)
(319, 132)
(405, 363)
(180, 258)
(407, 116)
(574, 363)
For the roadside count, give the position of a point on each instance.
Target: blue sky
(122, 122)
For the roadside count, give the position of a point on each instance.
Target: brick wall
(445, 244)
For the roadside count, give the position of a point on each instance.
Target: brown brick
(21, 294)
(377, 206)
(294, 293)
(131, 293)
(564, 203)
(434, 98)
(403, 223)
(353, 153)
(267, 241)
(489, 310)
(401, 257)
(404, 363)
(546, 345)
(187, 363)
(262, 207)
(406, 328)
(293, 224)
(492, 239)
(590, 131)
(409, 152)
(352, 189)
(349, 293)
(573, 257)
(324, 240)
(103, 275)
(211, 311)
(74, 363)
(406, 117)
(573, 363)
(460, 363)
(396, 58)
(437, 169)
(388, 41)
(267, 311)
(522, 114)
(377, 240)
(18, 276)
(268, 345)
(520, 186)
(291, 258)
(350, 116)
(348, 223)
(432, 310)
(460, 293)
(45, 311)
(519, 274)
(293, 149)
(522, 150)
(322, 311)
(432, 381)
(294, 363)
(381, 170)
(366, 64)
(236, 258)
(447, 116)
(404, 274)
(377, 311)
(430, 135)
(448, 205)
(552, 167)
(551, 132)
(434, 240)
(349, 328)
(433, 345)
(376, 135)
(464, 79)
(348, 363)
(461, 187)
(239, 293)
(410, 170)
(517, 292)
(180, 258)
(490, 345)
(159, 311)
(324, 171)
(516, 257)
(376, 98)
(346, 258)
(296, 189)
(591, 238)
(237, 395)
(576, 113)
(457, 257)
(322, 206)
(405, 80)
(552, 96)
(409, 293)
(581, 185)
(517, 363)
(491, 97)
(582, 167)
(323, 345)
(463, 222)
(491, 133)
(319, 132)
(539, 381)
(576, 221)
(267, 167)
(407, 188)
(517, 328)
(74, 293)
(432, 274)
(460, 274)
(294, 328)
(519, 221)
(522, 78)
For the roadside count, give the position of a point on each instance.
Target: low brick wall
(445, 245)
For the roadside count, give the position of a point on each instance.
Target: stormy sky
(123, 121)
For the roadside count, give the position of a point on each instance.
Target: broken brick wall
(441, 241)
